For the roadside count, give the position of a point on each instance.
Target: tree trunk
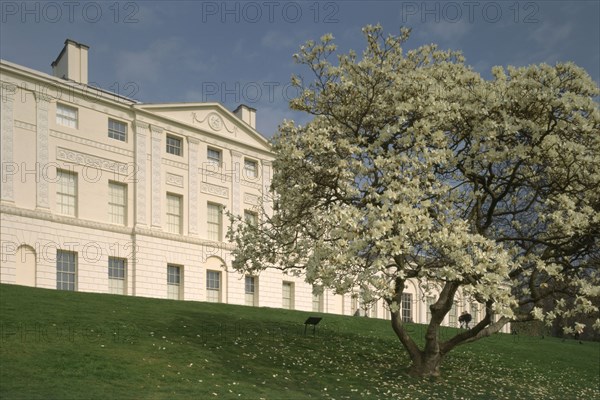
(428, 366)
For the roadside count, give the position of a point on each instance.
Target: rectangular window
(287, 295)
(117, 130)
(251, 291)
(372, 310)
(117, 271)
(174, 145)
(407, 307)
(453, 316)
(66, 193)
(251, 217)
(317, 299)
(429, 302)
(475, 312)
(213, 156)
(66, 116)
(214, 221)
(213, 286)
(354, 306)
(250, 169)
(174, 282)
(117, 203)
(174, 213)
(66, 270)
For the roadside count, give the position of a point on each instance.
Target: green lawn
(65, 345)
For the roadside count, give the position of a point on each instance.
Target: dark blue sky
(241, 51)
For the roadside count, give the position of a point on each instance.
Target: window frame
(120, 265)
(213, 294)
(174, 150)
(112, 205)
(210, 223)
(61, 194)
(290, 300)
(117, 134)
(251, 290)
(61, 117)
(174, 287)
(212, 160)
(171, 216)
(250, 173)
(406, 309)
(61, 272)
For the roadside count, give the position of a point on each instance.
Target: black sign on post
(312, 321)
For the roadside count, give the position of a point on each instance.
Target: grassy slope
(80, 345)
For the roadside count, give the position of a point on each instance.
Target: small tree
(414, 167)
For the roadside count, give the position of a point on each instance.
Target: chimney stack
(246, 114)
(72, 62)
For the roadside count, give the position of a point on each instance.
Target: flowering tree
(415, 167)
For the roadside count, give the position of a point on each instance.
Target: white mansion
(101, 193)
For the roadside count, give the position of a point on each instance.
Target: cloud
(448, 32)
(549, 35)
(162, 57)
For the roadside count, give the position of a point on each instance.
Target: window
(213, 286)
(251, 217)
(117, 130)
(452, 316)
(214, 157)
(407, 307)
(214, 221)
(354, 306)
(250, 169)
(429, 302)
(117, 268)
(317, 300)
(475, 312)
(174, 145)
(174, 282)
(287, 295)
(66, 270)
(66, 193)
(251, 292)
(174, 213)
(117, 203)
(371, 310)
(66, 116)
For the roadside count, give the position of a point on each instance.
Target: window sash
(66, 116)
(66, 270)
(251, 217)
(117, 130)
(406, 307)
(66, 192)
(250, 168)
(117, 204)
(452, 315)
(173, 275)
(287, 293)
(213, 156)
(214, 222)
(213, 280)
(174, 145)
(174, 222)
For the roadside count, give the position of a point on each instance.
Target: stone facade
(161, 159)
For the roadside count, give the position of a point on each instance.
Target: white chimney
(72, 62)
(246, 114)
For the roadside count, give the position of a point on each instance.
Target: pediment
(212, 118)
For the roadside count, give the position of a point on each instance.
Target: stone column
(42, 148)
(7, 124)
(141, 135)
(193, 185)
(236, 182)
(267, 201)
(157, 195)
